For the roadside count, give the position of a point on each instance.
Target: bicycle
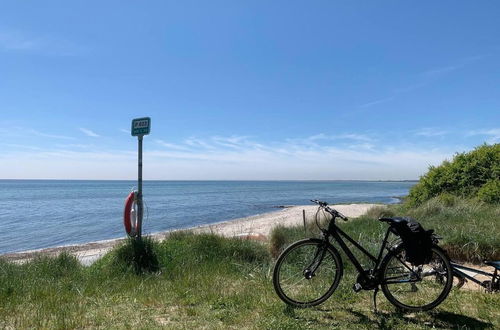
(308, 271)
(463, 273)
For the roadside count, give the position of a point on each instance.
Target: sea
(36, 214)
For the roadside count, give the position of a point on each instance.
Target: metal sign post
(140, 127)
(139, 184)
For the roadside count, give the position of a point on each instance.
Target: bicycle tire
(303, 291)
(434, 286)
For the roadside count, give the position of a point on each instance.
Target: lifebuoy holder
(130, 214)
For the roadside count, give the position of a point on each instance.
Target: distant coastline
(256, 227)
(208, 180)
(66, 212)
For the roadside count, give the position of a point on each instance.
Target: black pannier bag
(416, 240)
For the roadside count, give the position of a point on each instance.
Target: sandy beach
(253, 227)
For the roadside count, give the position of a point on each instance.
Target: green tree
(472, 174)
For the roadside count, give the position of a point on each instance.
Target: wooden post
(304, 218)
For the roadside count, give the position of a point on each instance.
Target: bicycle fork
(310, 271)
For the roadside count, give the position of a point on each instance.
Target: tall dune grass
(202, 281)
(469, 228)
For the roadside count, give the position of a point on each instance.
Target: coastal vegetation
(202, 281)
(208, 281)
(468, 228)
(472, 175)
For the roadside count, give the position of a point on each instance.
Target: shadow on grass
(444, 320)
(389, 320)
(326, 319)
(457, 320)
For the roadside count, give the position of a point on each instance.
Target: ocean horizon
(42, 213)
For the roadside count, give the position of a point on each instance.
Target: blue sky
(246, 90)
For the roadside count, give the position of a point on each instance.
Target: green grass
(469, 228)
(205, 281)
(137, 255)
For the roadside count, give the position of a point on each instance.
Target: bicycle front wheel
(416, 288)
(307, 273)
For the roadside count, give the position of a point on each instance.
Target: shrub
(138, 255)
(490, 192)
(447, 199)
(464, 176)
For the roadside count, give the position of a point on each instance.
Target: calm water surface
(45, 213)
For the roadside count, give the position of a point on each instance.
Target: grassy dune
(469, 229)
(204, 281)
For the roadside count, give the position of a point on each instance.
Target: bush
(447, 199)
(138, 255)
(464, 176)
(490, 192)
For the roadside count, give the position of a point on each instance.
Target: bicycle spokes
(416, 285)
(306, 274)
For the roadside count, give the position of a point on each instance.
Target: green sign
(141, 126)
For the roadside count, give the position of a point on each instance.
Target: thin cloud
(75, 145)
(430, 132)
(24, 131)
(53, 136)
(171, 145)
(410, 88)
(212, 143)
(16, 41)
(379, 101)
(493, 135)
(21, 146)
(236, 148)
(362, 146)
(89, 132)
(235, 142)
(436, 72)
(443, 70)
(125, 130)
(347, 136)
(197, 143)
(356, 137)
(426, 77)
(286, 159)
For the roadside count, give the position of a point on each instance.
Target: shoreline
(255, 227)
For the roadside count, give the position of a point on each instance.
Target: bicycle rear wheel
(416, 288)
(307, 273)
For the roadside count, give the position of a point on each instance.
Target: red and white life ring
(130, 214)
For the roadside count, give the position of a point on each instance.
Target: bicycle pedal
(357, 287)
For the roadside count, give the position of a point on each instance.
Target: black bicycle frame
(457, 272)
(336, 233)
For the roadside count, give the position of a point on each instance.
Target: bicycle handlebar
(333, 212)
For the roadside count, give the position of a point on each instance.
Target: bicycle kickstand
(375, 291)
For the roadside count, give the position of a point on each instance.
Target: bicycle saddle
(398, 220)
(495, 264)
